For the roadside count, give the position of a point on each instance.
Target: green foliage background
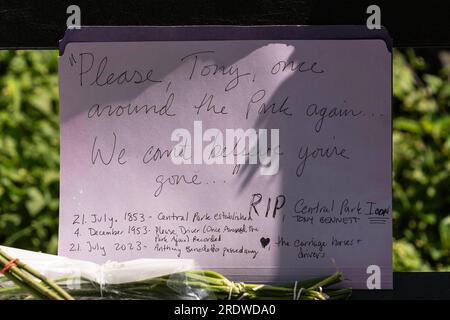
(421, 150)
(29, 157)
(29, 149)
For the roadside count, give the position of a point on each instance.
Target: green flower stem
(206, 284)
(340, 294)
(48, 282)
(23, 280)
(328, 281)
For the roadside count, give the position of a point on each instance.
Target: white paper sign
(266, 160)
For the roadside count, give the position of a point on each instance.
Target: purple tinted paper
(319, 200)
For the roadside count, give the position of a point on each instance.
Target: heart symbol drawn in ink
(264, 241)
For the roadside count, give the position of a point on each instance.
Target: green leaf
(434, 83)
(408, 125)
(444, 232)
(36, 201)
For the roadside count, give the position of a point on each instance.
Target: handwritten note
(267, 160)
